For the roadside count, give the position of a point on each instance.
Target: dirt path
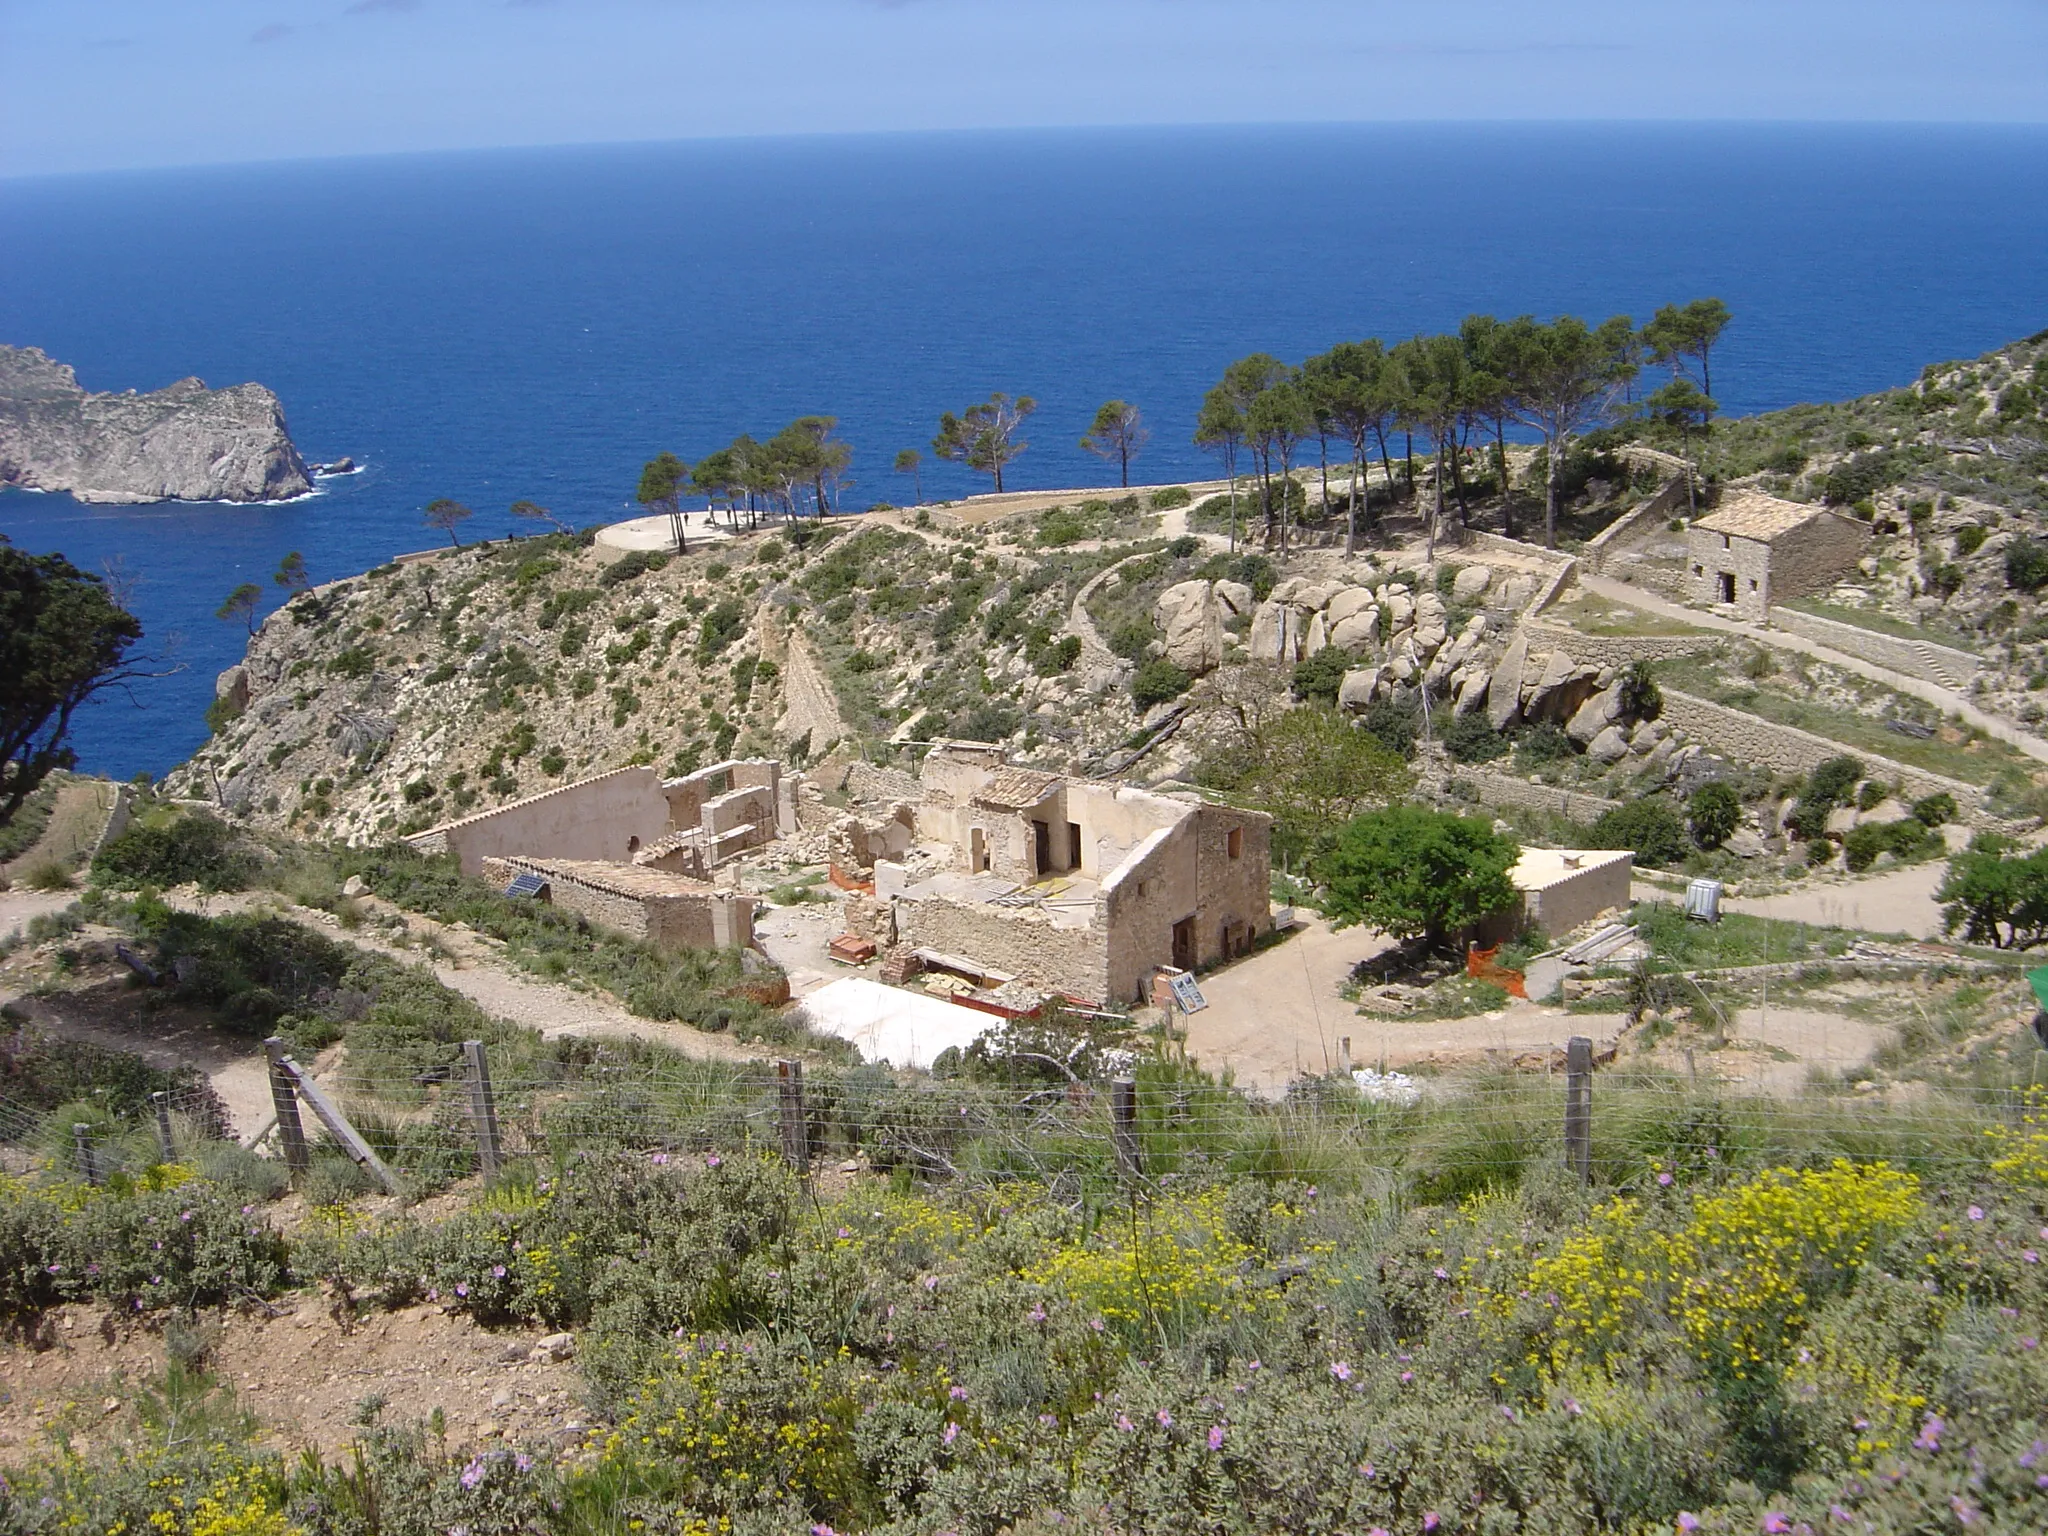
(1894, 901)
(1276, 1015)
(18, 907)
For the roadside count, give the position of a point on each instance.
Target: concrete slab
(889, 1024)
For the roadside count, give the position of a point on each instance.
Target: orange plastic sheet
(1479, 964)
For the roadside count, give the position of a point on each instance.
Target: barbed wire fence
(1155, 1126)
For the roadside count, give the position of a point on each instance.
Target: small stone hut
(1755, 550)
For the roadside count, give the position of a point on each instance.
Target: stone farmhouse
(1755, 550)
(633, 851)
(1083, 888)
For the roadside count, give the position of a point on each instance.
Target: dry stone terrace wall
(1940, 664)
(1504, 789)
(1786, 749)
(1615, 650)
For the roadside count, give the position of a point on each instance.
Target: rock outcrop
(184, 443)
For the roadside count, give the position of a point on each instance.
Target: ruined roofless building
(632, 851)
(1755, 550)
(1077, 887)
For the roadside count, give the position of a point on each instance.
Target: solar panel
(526, 883)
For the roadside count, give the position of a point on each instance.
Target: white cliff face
(184, 443)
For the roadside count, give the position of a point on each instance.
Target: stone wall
(1660, 508)
(1745, 564)
(1016, 940)
(1815, 555)
(1941, 664)
(1786, 749)
(871, 784)
(1504, 789)
(607, 818)
(607, 909)
(1616, 650)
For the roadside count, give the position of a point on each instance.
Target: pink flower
(952, 1433)
(1378, 1530)
(1664, 1179)
(1406, 1377)
(845, 1232)
(1441, 1273)
(1839, 1514)
(1430, 1521)
(1688, 1521)
(2029, 1256)
(958, 1394)
(1095, 1323)
(497, 1271)
(1976, 1213)
(931, 1282)
(1966, 1512)
(1366, 1471)
(1776, 1524)
(1037, 1313)
(1929, 1438)
(462, 1287)
(1123, 1422)
(473, 1473)
(660, 1159)
(1216, 1437)
(822, 1529)
(714, 1161)
(1165, 1419)
(1341, 1370)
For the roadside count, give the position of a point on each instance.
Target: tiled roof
(1753, 515)
(1016, 789)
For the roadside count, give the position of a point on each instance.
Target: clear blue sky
(109, 84)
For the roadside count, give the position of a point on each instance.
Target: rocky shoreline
(182, 443)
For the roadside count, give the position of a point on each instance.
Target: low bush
(1904, 840)
(1318, 678)
(1157, 682)
(1470, 739)
(166, 850)
(1936, 810)
(2026, 564)
(1714, 811)
(1170, 497)
(1652, 829)
(631, 567)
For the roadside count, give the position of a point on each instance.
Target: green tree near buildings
(1564, 379)
(1995, 894)
(1681, 404)
(447, 515)
(1435, 388)
(1682, 337)
(1417, 873)
(1311, 769)
(1715, 811)
(1117, 434)
(984, 437)
(63, 639)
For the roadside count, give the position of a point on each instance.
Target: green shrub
(1859, 478)
(2026, 564)
(1936, 810)
(165, 851)
(47, 875)
(1170, 497)
(1133, 641)
(1539, 745)
(631, 566)
(1908, 839)
(1870, 795)
(1715, 811)
(1394, 724)
(1969, 538)
(1186, 547)
(1318, 678)
(1651, 828)
(1828, 786)
(1470, 739)
(1157, 681)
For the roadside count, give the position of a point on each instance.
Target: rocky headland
(182, 443)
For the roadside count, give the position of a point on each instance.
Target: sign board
(1186, 995)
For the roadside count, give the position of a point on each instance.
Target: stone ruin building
(1755, 550)
(1087, 889)
(631, 850)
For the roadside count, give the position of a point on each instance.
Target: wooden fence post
(483, 1107)
(161, 1103)
(289, 1129)
(1578, 1107)
(1123, 1123)
(351, 1140)
(796, 1136)
(88, 1165)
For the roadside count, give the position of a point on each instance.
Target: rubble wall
(607, 818)
(1916, 658)
(1020, 942)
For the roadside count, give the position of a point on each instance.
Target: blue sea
(537, 323)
